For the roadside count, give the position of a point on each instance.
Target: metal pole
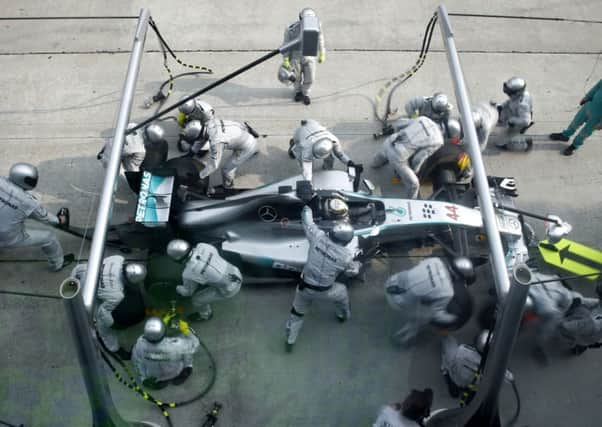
(106, 198)
(502, 284)
(104, 413)
(483, 409)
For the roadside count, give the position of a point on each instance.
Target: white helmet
(134, 272)
(341, 233)
(440, 103)
(285, 76)
(23, 175)
(187, 107)
(194, 131)
(454, 130)
(307, 11)
(558, 229)
(178, 249)
(321, 148)
(336, 208)
(514, 86)
(206, 111)
(154, 329)
(155, 133)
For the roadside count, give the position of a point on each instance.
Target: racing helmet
(194, 131)
(464, 268)
(286, 76)
(134, 272)
(307, 11)
(321, 148)
(155, 133)
(514, 86)
(187, 107)
(23, 175)
(481, 340)
(206, 111)
(336, 208)
(341, 233)
(454, 131)
(440, 104)
(154, 329)
(178, 249)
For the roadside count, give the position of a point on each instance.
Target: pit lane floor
(60, 92)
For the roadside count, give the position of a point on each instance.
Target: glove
(321, 57)
(286, 63)
(181, 119)
(63, 216)
(583, 101)
(184, 328)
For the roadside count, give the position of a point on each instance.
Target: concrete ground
(60, 92)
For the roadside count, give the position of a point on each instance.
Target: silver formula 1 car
(260, 229)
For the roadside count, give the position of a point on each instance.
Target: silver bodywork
(262, 227)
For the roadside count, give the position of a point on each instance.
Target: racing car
(260, 229)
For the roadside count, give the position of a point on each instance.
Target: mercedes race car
(260, 230)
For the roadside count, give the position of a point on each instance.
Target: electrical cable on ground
(61, 18)
(4, 423)
(525, 18)
(133, 385)
(160, 96)
(397, 81)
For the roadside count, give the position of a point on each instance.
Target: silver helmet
(322, 148)
(23, 175)
(286, 76)
(514, 86)
(178, 249)
(206, 111)
(187, 107)
(463, 266)
(307, 11)
(194, 131)
(155, 133)
(481, 340)
(336, 208)
(341, 233)
(557, 229)
(440, 103)
(134, 272)
(154, 329)
(454, 130)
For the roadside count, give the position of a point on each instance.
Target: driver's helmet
(336, 208)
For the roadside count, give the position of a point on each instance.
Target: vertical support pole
(79, 301)
(106, 198)
(483, 410)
